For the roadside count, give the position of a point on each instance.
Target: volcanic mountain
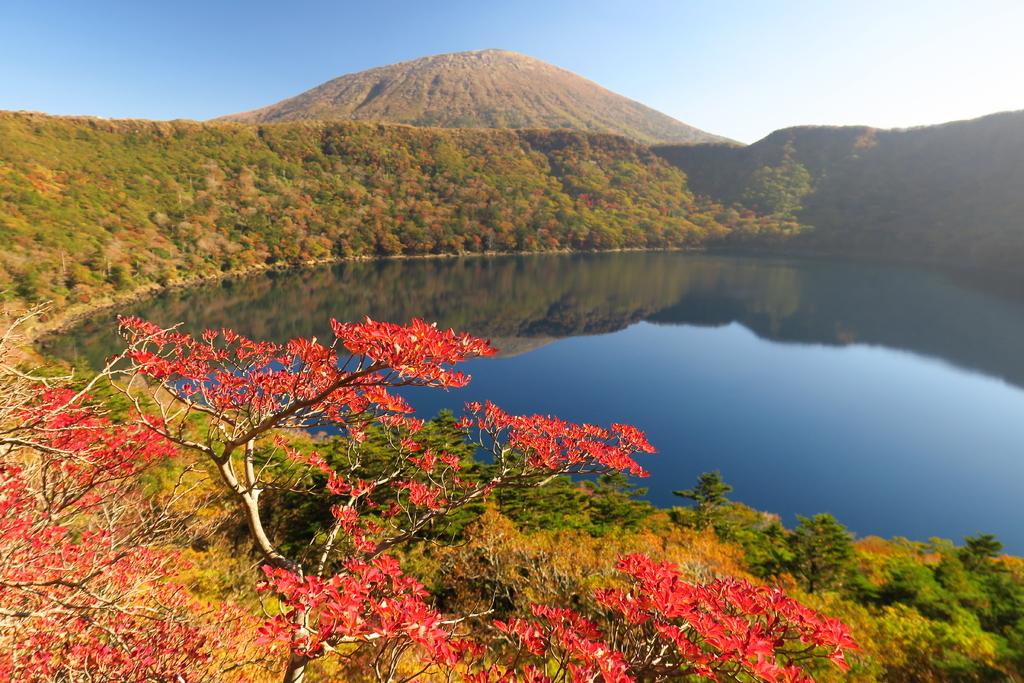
(481, 89)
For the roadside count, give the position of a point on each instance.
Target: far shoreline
(65, 319)
(1000, 282)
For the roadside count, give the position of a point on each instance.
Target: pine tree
(709, 494)
(822, 552)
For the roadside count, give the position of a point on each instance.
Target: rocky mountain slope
(482, 89)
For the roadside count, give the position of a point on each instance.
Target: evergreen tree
(709, 494)
(979, 549)
(822, 552)
(613, 502)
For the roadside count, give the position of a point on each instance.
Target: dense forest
(947, 194)
(89, 208)
(93, 209)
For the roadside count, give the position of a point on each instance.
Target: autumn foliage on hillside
(87, 588)
(88, 581)
(92, 208)
(663, 627)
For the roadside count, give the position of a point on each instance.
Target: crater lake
(889, 396)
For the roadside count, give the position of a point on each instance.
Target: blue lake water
(888, 396)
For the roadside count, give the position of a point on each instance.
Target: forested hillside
(951, 194)
(91, 207)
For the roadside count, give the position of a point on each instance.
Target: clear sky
(741, 69)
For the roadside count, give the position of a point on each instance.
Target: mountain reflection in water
(525, 302)
(893, 401)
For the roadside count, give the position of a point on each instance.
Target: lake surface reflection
(888, 396)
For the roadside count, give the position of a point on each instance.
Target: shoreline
(68, 318)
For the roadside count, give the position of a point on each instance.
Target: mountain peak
(490, 88)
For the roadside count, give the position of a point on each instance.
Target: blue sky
(741, 69)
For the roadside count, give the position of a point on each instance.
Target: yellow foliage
(504, 564)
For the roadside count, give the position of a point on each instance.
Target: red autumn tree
(664, 628)
(85, 582)
(234, 401)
